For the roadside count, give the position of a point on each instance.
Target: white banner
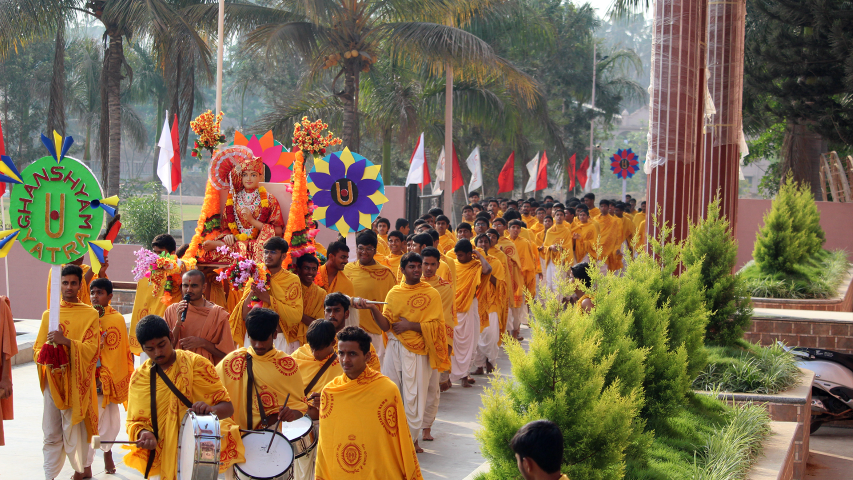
(416, 164)
(476, 168)
(167, 152)
(595, 178)
(439, 174)
(532, 168)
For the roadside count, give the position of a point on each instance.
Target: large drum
(198, 447)
(301, 434)
(261, 465)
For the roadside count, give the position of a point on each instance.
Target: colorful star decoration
(624, 163)
(347, 190)
(275, 156)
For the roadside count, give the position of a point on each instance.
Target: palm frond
(281, 117)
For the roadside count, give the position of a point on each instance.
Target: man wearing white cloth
(470, 273)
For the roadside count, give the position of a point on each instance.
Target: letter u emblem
(347, 192)
(47, 211)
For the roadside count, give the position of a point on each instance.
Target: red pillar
(721, 159)
(676, 108)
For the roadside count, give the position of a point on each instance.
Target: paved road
(453, 455)
(831, 454)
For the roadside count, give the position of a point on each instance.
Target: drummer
(276, 380)
(194, 377)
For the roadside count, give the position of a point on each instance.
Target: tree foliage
(145, 215)
(711, 245)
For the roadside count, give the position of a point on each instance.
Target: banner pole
(169, 213)
(181, 196)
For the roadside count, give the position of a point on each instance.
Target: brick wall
(831, 335)
(123, 300)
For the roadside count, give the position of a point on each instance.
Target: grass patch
(819, 277)
(748, 368)
(705, 439)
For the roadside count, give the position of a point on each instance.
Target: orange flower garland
(299, 204)
(209, 209)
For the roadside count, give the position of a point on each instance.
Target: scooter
(832, 389)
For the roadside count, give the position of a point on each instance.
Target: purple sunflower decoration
(624, 163)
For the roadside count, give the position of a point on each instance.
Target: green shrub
(562, 377)
(819, 277)
(730, 452)
(712, 245)
(145, 215)
(756, 369)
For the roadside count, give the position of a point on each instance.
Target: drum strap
(155, 372)
(249, 387)
(320, 373)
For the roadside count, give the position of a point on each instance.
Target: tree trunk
(350, 135)
(801, 152)
(56, 105)
(114, 99)
(87, 149)
(386, 156)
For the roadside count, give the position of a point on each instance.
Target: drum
(275, 465)
(198, 447)
(301, 434)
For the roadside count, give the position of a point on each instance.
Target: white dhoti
(517, 316)
(280, 343)
(109, 424)
(551, 276)
(433, 397)
(411, 372)
(379, 345)
(61, 439)
(487, 344)
(465, 336)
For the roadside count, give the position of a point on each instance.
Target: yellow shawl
(468, 282)
(420, 303)
(82, 294)
(448, 303)
(145, 303)
(196, 378)
(588, 241)
(363, 431)
(116, 359)
(73, 385)
(560, 235)
(276, 376)
(286, 297)
(372, 282)
(493, 298)
(515, 283)
(312, 305)
(338, 284)
(446, 242)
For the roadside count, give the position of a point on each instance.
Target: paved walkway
(831, 454)
(453, 455)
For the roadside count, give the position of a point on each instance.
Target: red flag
(458, 181)
(571, 169)
(506, 179)
(542, 174)
(580, 173)
(176, 159)
(427, 178)
(2, 152)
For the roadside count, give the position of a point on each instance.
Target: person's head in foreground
(261, 325)
(72, 279)
(336, 309)
(353, 351)
(321, 339)
(154, 335)
(538, 448)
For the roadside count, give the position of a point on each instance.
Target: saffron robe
(364, 433)
(468, 283)
(195, 377)
(371, 282)
(312, 306)
(420, 303)
(309, 366)
(8, 349)
(286, 299)
(493, 298)
(561, 236)
(515, 275)
(448, 304)
(392, 261)
(340, 282)
(529, 262)
(116, 359)
(610, 240)
(276, 376)
(73, 385)
(446, 242)
(209, 322)
(588, 241)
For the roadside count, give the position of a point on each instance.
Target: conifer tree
(712, 246)
(777, 249)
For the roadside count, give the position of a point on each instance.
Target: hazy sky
(601, 5)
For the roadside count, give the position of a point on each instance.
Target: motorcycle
(832, 389)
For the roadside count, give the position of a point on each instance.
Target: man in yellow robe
(628, 228)
(205, 329)
(501, 301)
(471, 268)
(413, 317)
(640, 215)
(528, 217)
(586, 234)
(330, 276)
(589, 201)
(446, 268)
(396, 243)
(70, 415)
(531, 271)
(363, 431)
(611, 237)
(515, 275)
(275, 380)
(372, 281)
(88, 274)
(112, 375)
(431, 258)
(446, 239)
(557, 246)
(491, 299)
(148, 301)
(312, 295)
(193, 376)
(381, 227)
(283, 294)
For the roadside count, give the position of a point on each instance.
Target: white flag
(416, 164)
(476, 168)
(558, 186)
(596, 175)
(532, 171)
(167, 151)
(439, 174)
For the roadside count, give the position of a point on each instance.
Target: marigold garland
(297, 234)
(231, 218)
(209, 211)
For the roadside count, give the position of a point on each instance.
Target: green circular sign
(51, 209)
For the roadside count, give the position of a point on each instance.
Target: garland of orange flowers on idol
(231, 218)
(296, 232)
(209, 221)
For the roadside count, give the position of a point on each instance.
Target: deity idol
(252, 216)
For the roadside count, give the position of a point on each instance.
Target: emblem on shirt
(388, 417)
(351, 456)
(419, 301)
(234, 367)
(286, 366)
(327, 402)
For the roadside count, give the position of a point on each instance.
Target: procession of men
(358, 351)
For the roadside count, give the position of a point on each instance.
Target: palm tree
(340, 38)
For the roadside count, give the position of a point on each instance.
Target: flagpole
(448, 141)
(169, 213)
(6, 258)
(219, 53)
(592, 121)
(181, 196)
